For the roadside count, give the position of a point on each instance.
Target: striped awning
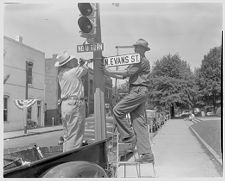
(24, 103)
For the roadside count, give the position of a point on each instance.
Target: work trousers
(134, 103)
(73, 119)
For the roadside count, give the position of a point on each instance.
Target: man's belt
(69, 98)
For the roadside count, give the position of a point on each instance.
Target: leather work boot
(146, 158)
(129, 143)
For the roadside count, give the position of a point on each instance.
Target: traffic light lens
(85, 9)
(85, 24)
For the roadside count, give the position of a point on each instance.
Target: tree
(172, 66)
(209, 77)
(123, 88)
(171, 83)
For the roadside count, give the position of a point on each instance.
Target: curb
(215, 155)
(31, 134)
(36, 133)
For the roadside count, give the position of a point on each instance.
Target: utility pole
(91, 30)
(89, 23)
(26, 97)
(99, 85)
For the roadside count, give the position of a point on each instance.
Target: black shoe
(146, 158)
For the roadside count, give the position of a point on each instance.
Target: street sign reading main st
(122, 60)
(90, 47)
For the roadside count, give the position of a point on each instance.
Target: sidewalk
(178, 153)
(16, 134)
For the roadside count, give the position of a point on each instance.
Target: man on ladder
(134, 103)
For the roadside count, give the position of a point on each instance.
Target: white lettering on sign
(122, 60)
(90, 47)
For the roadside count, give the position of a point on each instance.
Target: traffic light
(87, 21)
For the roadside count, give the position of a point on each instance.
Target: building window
(91, 87)
(110, 93)
(106, 93)
(6, 108)
(29, 68)
(39, 110)
(29, 111)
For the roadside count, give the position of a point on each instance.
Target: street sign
(90, 47)
(122, 60)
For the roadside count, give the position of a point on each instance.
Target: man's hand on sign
(108, 72)
(102, 67)
(83, 61)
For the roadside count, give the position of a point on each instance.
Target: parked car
(155, 119)
(210, 113)
(218, 111)
(185, 114)
(152, 120)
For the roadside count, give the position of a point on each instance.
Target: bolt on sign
(90, 47)
(122, 60)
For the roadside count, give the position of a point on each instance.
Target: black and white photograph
(124, 89)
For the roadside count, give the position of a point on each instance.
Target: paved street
(50, 137)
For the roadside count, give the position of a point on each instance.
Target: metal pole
(99, 85)
(26, 97)
(124, 47)
(117, 52)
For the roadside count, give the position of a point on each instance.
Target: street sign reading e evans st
(122, 60)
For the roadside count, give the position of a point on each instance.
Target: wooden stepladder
(123, 150)
(130, 168)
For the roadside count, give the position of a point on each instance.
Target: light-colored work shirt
(71, 83)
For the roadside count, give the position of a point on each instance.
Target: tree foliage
(172, 83)
(123, 88)
(172, 66)
(208, 77)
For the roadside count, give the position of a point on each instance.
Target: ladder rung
(128, 163)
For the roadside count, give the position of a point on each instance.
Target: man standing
(134, 103)
(72, 99)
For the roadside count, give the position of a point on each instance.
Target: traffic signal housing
(87, 21)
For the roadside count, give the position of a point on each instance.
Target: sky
(188, 29)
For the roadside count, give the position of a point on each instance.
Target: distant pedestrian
(134, 103)
(72, 99)
(61, 140)
(191, 116)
